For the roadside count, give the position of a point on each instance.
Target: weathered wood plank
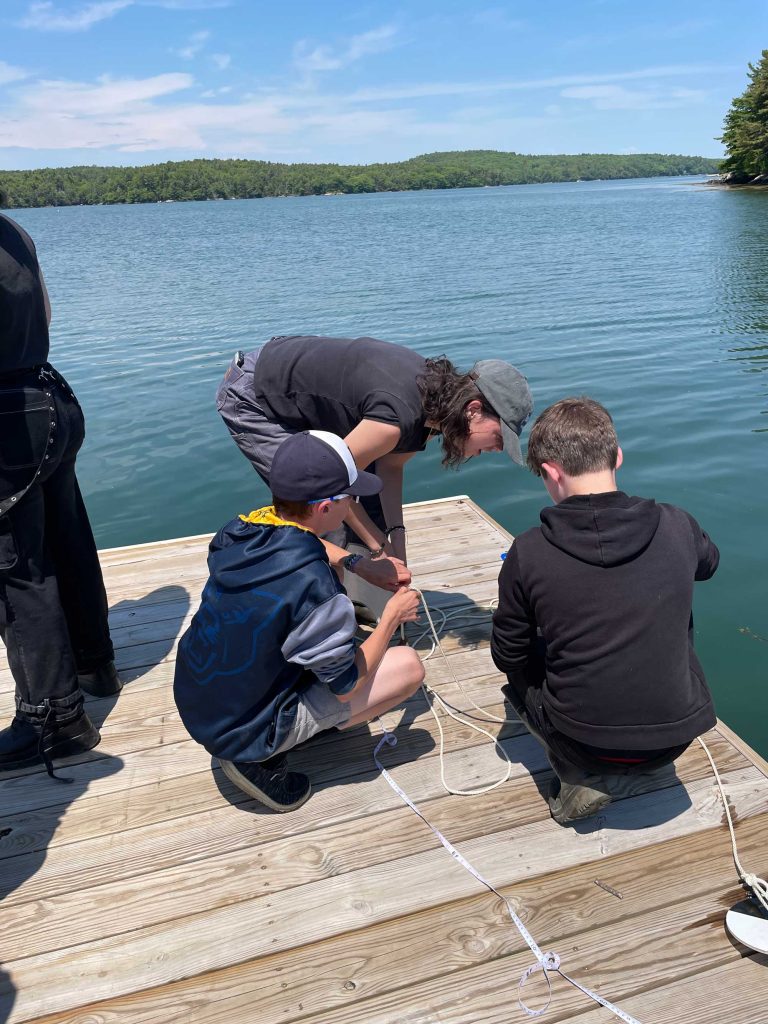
(213, 830)
(169, 886)
(734, 992)
(106, 773)
(389, 957)
(149, 828)
(352, 901)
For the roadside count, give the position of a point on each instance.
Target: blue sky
(141, 81)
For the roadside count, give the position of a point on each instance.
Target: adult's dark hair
(444, 396)
(576, 433)
(291, 509)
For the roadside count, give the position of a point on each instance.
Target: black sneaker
(24, 743)
(104, 682)
(269, 782)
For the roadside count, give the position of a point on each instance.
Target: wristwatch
(351, 561)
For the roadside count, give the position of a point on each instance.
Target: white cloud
(193, 46)
(9, 73)
(221, 60)
(132, 116)
(109, 96)
(45, 16)
(616, 97)
(309, 58)
(420, 90)
(162, 114)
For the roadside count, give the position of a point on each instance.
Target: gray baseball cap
(506, 390)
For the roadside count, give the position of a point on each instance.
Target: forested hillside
(252, 179)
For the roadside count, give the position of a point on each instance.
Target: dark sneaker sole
(21, 762)
(79, 744)
(592, 808)
(239, 780)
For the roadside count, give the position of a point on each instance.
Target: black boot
(104, 682)
(269, 782)
(25, 743)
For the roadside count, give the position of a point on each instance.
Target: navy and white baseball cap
(315, 464)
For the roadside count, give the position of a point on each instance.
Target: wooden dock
(150, 891)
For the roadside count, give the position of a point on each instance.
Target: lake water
(649, 295)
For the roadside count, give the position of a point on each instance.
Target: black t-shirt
(332, 384)
(23, 320)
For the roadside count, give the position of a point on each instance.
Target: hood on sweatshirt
(260, 546)
(601, 529)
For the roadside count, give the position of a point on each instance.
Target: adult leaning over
(386, 401)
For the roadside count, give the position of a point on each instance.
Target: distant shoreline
(195, 180)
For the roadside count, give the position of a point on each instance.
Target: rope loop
(526, 975)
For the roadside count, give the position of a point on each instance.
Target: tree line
(745, 132)
(254, 179)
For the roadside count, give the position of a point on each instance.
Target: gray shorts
(318, 709)
(257, 437)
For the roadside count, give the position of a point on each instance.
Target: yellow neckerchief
(268, 516)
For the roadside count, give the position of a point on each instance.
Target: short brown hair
(291, 509)
(576, 433)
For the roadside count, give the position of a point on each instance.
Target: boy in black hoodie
(612, 687)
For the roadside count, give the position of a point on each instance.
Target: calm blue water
(649, 295)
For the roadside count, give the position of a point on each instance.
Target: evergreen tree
(745, 132)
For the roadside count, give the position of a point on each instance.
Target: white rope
(545, 962)
(758, 885)
(431, 696)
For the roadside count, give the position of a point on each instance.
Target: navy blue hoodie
(608, 579)
(273, 619)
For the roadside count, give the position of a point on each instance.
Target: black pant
(53, 607)
(570, 758)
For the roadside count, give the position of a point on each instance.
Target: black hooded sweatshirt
(608, 579)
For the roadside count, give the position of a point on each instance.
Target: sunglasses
(336, 497)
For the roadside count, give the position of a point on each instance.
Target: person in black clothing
(594, 627)
(53, 607)
(385, 401)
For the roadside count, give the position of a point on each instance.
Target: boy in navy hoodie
(612, 686)
(269, 659)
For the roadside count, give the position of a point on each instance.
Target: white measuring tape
(546, 962)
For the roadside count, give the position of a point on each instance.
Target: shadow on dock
(145, 630)
(26, 835)
(339, 758)
(143, 639)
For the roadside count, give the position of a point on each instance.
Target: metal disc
(748, 925)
